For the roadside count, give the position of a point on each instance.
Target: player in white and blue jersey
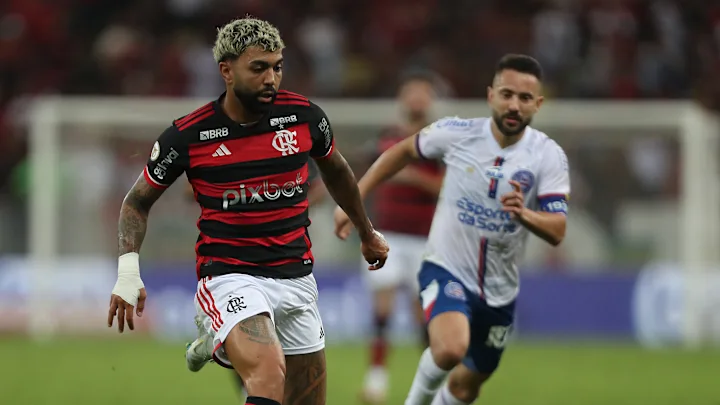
(503, 180)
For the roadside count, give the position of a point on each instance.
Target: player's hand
(129, 294)
(375, 250)
(514, 201)
(343, 226)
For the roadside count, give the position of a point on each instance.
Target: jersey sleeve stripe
(199, 118)
(553, 203)
(329, 152)
(290, 93)
(194, 114)
(552, 195)
(417, 147)
(154, 183)
(292, 102)
(290, 97)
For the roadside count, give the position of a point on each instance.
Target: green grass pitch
(135, 371)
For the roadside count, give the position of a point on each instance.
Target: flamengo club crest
(236, 304)
(285, 142)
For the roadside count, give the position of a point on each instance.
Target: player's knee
(464, 391)
(447, 354)
(383, 301)
(465, 385)
(253, 349)
(267, 375)
(449, 338)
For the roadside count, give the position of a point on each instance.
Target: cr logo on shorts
(236, 304)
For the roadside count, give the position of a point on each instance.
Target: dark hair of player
(520, 63)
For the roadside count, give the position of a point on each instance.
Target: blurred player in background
(403, 211)
(246, 155)
(503, 180)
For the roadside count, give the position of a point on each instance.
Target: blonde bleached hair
(240, 34)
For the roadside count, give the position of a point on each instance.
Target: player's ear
(539, 101)
(226, 71)
(489, 93)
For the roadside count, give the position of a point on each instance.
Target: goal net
(644, 174)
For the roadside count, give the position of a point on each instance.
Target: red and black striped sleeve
(168, 159)
(321, 132)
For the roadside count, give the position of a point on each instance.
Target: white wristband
(129, 264)
(129, 283)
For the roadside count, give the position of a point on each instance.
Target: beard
(251, 102)
(510, 130)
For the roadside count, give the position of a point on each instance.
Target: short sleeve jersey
(251, 182)
(471, 236)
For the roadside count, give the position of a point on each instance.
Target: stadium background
(600, 319)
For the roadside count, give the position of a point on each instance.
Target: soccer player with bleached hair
(246, 156)
(503, 181)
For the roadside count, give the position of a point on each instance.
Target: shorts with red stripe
(224, 301)
(490, 327)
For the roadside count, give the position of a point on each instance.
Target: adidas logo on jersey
(222, 150)
(214, 134)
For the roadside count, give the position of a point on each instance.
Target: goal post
(696, 131)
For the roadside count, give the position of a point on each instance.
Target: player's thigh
(253, 349)
(489, 329)
(383, 301)
(231, 304)
(447, 311)
(414, 258)
(299, 325)
(306, 379)
(302, 337)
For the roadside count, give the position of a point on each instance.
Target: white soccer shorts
(224, 301)
(402, 266)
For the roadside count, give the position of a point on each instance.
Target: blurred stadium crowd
(620, 49)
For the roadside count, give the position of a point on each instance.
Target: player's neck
(414, 125)
(234, 109)
(504, 140)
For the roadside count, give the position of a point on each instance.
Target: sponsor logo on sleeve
(155, 152)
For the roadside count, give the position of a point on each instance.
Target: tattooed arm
(340, 182)
(132, 224)
(167, 161)
(129, 291)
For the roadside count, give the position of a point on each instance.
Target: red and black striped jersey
(403, 208)
(251, 182)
